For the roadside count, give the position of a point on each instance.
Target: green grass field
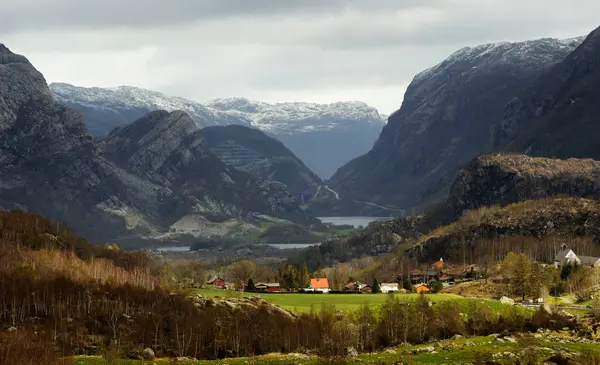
(304, 303)
(483, 348)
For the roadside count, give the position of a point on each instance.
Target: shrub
(22, 347)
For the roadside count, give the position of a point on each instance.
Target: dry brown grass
(49, 264)
(518, 214)
(542, 166)
(23, 347)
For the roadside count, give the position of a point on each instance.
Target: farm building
(446, 280)
(319, 284)
(566, 255)
(217, 281)
(356, 286)
(388, 287)
(422, 289)
(269, 287)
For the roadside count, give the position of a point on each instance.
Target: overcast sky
(271, 50)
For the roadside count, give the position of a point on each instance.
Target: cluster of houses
(419, 278)
(219, 282)
(438, 271)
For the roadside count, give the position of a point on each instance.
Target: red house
(217, 281)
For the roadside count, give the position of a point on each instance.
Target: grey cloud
(219, 48)
(24, 15)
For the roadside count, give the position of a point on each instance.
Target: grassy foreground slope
(458, 351)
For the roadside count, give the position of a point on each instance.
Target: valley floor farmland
(304, 303)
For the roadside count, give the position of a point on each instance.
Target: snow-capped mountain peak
(528, 53)
(306, 116)
(324, 136)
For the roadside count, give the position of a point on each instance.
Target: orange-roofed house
(439, 264)
(422, 289)
(319, 284)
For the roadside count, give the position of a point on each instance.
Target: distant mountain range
(532, 97)
(140, 180)
(323, 136)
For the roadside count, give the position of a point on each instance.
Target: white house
(388, 287)
(566, 255)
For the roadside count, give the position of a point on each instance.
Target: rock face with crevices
(447, 118)
(169, 150)
(136, 183)
(251, 150)
(560, 115)
(501, 179)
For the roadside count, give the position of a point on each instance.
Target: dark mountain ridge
(323, 136)
(50, 165)
(169, 150)
(447, 118)
(251, 150)
(559, 116)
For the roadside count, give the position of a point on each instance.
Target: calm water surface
(354, 221)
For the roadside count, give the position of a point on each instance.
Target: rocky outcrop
(485, 230)
(447, 118)
(250, 303)
(508, 178)
(168, 150)
(142, 180)
(251, 150)
(324, 136)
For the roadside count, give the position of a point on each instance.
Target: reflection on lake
(353, 221)
(283, 246)
(173, 249)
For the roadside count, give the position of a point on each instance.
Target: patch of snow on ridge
(286, 117)
(504, 52)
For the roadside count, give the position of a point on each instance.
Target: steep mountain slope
(49, 164)
(168, 149)
(446, 119)
(324, 136)
(560, 115)
(251, 150)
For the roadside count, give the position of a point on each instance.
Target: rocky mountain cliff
(448, 117)
(508, 178)
(251, 150)
(48, 162)
(559, 116)
(168, 150)
(323, 136)
(141, 180)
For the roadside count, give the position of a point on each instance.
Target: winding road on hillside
(379, 206)
(337, 196)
